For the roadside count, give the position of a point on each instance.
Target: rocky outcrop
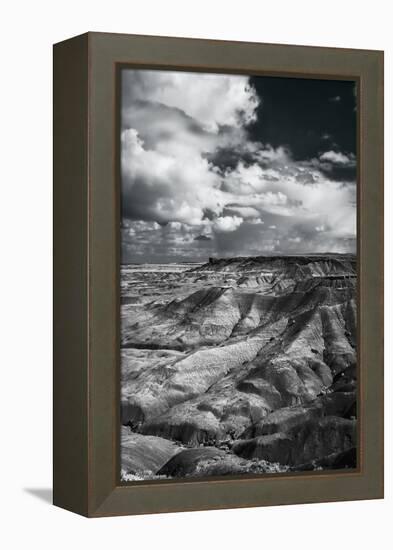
(143, 456)
(311, 440)
(335, 461)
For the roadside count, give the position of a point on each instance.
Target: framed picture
(218, 274)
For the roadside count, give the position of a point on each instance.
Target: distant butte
(202, 238)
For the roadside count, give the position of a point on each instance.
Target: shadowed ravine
(240, 365)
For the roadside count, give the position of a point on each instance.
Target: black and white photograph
(238, 276)
(196, 257)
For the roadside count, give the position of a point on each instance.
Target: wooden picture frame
(86, 274)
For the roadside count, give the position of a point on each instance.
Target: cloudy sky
(229, 165)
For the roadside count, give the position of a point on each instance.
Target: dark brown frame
(86, 270)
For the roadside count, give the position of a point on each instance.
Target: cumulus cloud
(152, 242)
(212, 99)
(163, 187)
(336, 157)
(227, 223)
(194, 184)
(243, 211)
(170, 122)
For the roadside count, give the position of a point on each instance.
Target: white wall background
(28, 30)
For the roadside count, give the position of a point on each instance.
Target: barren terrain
(241, 365)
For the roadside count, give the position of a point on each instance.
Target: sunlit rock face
(250, 363)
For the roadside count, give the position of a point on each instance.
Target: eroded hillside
(243, 365)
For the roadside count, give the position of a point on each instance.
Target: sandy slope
(252, 357)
